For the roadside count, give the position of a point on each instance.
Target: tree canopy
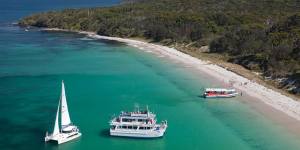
(262, 35)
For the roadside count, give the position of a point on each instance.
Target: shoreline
(276, 100)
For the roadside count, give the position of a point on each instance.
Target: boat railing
(134, 123)
(136, 113)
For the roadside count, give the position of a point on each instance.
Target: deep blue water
(13, 10)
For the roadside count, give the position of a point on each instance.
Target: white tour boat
(64, 131)
(138, 124)
(220, 92)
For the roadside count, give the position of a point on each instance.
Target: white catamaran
(64, 131)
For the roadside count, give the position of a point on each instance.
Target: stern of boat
(68, 137)
(47, 137)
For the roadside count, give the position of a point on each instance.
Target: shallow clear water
(102, 78)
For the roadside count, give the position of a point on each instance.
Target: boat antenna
(147, 109)
(136, 106)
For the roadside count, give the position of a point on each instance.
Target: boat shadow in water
(201, 96)
(105, 133)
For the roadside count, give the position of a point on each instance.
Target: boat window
(148, 128)
(140, 120)
(134, 127)
(129, 127)
(67, 131)
(113, 127)
(141, 128)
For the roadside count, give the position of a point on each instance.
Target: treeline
(262, 35)
(274, 50)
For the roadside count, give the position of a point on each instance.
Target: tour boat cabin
(219, 92)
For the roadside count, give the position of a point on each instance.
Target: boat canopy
(219, 90)
(68, 128)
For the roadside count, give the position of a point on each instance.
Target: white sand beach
(268, 96)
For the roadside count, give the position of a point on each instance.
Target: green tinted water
(102, 78)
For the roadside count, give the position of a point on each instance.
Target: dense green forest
(261, 35)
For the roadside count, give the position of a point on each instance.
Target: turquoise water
(104, 77)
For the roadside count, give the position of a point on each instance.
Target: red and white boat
(220, 92)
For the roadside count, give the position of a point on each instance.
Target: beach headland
(267, 101)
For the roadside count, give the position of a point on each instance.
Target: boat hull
(159, 131)
(62, 137)
(137, 134)
(221, 96)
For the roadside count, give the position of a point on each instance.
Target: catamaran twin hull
(62, 138)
